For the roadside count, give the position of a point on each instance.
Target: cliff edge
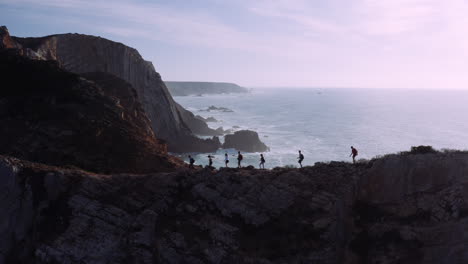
(83, 54)
(56, 117)
(397, 209)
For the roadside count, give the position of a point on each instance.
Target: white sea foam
(324, 125)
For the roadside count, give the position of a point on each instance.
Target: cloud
(176, 25)
(332, 39)
(297, 11)
(396, 17)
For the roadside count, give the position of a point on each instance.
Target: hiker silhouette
(239, 159)
(226, 159)
(210, 161)
(192, 161)
(300, 158)
(354, 153)
(262, 162)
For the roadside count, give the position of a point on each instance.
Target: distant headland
(201, 88)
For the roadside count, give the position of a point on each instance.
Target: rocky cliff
(6, 42)
(84, 54)
(57, 117)
(200, 88)
(396, 209)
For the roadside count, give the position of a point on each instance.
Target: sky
(272, 43)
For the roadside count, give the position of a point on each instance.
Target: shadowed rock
(245, 140)
(397, 209)
(208, 119)
(81, 54)
(56, 117)
(198, 125)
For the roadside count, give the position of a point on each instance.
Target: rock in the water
(215, 108)
(245, 140)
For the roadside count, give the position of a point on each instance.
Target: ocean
(324, 123)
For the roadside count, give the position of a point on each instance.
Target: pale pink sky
(322, 43)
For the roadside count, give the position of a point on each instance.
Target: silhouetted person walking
(354, 153)
(262, 162)
(239, 159)
(300, 158)
(192, 161)
(226, 159)
(210, 161)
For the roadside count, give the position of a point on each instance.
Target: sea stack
(245, 140)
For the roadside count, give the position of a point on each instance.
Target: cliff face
(398, 209)
(415, 209)
(199, 88)
(56, 117)
(84, 54)
(6, 42)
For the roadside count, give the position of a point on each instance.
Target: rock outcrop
(200, 88)
(215, 108)
(83, 54)
(414, 209)
(397, 209)
(198, 125)
(208, 119)
(6, 42)
(245, 140)
(56, 117)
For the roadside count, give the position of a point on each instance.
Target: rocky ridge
(397, 209)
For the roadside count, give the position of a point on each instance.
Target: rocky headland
(201, 88)
(60, 118)
(82, 54)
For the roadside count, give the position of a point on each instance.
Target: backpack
(192, 161)
(301, 157)
(240, 157)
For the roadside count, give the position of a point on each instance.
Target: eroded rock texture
(399, 209)
(88, 54)
(414, 209)
(56, 117)
(6, 42)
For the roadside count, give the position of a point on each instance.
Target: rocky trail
(396, 209)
